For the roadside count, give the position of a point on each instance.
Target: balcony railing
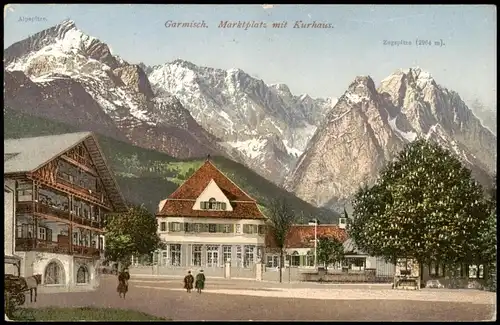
(86, 251)
(52, 210)
(90, 222)
(27, 207)
(27, 244)
(79, 189)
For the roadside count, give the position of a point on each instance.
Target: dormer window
(212, 204)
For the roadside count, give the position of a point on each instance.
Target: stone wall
(369, 275)
(217, 272)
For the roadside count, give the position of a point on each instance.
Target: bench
(406, 281)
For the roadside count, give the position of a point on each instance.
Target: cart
(14, 286)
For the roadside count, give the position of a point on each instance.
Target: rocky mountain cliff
(267, 124)
(65, 75)
(487, 115)
(368, 126)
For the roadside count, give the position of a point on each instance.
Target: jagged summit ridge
(244, 111)
(368, 126)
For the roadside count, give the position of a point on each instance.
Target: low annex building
(57, 190)
(209, 221)
(300, 244)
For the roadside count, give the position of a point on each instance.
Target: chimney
(342, 223)
(161, 204)
(208, 157)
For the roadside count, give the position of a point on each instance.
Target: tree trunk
(421, 273)
(281, 265)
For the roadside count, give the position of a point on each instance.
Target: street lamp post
(315, 242)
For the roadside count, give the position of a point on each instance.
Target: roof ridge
(220, 171)
(51, 135)
(183, 183)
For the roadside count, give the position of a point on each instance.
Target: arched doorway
(82, 275)
(54, 273)
(295, 259)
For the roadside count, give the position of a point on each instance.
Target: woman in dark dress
(188, 282)
(123, 278)
(200, 281)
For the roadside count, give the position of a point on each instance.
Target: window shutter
(231, 228)
(219, 228)
(223, 204)
(170, 226)
(191, 227)
(205, 227)
(302, 260)
(202, 205)
(245, 229)
(49, 234)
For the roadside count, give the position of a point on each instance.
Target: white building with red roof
(208, 221)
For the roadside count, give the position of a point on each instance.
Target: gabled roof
(180, 203)
(194, 185)
(351, 248)
(29, 154)
(302, 236)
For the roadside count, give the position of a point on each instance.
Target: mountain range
(320, 149)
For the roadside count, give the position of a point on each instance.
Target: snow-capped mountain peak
(64, 60)
(241, 109)
(59, 41)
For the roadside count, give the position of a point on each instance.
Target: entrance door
(212, 256)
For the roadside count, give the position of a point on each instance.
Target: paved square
(250, 300)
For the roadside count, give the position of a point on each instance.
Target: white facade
(9, 213)
(211, 241)
(211, 249)
(59, 270)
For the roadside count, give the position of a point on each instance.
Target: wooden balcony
(29, 208)
(52, 210)
(89, 222)
(25, 207)
(27, 244)
(80, 190)
(86, 251)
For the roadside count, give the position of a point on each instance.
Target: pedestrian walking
(188, 282)
(200, 281)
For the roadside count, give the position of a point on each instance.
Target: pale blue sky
(318, 62)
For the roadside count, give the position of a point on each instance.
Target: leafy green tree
(489, 241)
(281, 218)
(330, 250)
(133, 232)
(425, 205)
